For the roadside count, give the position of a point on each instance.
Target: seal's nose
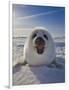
(39, 40)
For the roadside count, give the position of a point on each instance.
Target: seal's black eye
(34, 36)
(45, 36)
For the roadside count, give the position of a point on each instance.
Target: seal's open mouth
(39, 45)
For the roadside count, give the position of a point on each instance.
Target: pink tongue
(40, 50)
(39, 46)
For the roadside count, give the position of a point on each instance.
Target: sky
(26, 17)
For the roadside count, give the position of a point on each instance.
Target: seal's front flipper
(51, 65)
(23, 63)
(57, 65)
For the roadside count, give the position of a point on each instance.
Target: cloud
(36, 15)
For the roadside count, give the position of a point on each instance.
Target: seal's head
(39, 39)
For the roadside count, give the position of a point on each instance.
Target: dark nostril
(39, 38)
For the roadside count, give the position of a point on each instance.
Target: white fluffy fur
(30, 54)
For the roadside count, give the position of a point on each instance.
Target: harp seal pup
(39, 48)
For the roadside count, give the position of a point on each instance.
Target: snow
(25, 75)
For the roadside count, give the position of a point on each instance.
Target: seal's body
(39, 48)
